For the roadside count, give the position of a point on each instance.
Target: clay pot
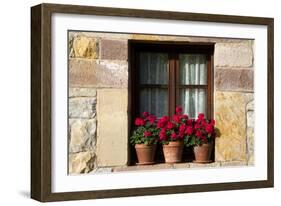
(173, 151)
(203, 153)
(145, 153)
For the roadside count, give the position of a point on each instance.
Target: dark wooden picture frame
(41, 95)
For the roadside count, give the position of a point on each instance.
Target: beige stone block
(82, 135)
(250, 146)
(82, 162)
(112, 127)
(233, 54)
(82, 92)
(199, 165)
(84, 47)
(234, 79)
(181, 165)
(82, 107)
(230, 116)
(233, 163)
(114, 49)
(98, 73)
(161, 166)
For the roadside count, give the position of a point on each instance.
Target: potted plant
(201, 136)
(145, 138)
(171, 135)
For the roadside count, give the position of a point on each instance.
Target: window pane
(153, 68)
(193, 101)
(193, 69)
(154, 101)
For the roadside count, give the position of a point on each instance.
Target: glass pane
(193, 69)
(154, 101)
(193, 101)
(153, 68)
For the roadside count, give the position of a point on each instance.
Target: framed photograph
(130, 102)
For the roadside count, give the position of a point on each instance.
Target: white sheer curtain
(193, 71)
(153, 71)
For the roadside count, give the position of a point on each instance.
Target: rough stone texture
(233, 54)
(82, 92)
(233, 163)
(230, 115)
(82, 135)
(102, 170)
(181, 165)
(82, 162)
(114, 49)
(144, 167)
(250, 132)
(104, 73)
(234, 79)
(82, 107)
(196, 165)
(84, 47)
(112, 131)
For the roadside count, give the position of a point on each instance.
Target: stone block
(84, 47)
(114, 49)
(82, 107)
(143, 167)
(95, 73)
(82, 135)
(181, 165)
(82, 92)
(82, 162)
(233, 163)
(233, 54)
(234, 80)
(199, 165)
(230, 116)
(112, 127)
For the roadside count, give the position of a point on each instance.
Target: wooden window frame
(173, 49)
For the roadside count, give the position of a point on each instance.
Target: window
(164, 75)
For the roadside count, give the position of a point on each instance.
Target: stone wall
(98, 99)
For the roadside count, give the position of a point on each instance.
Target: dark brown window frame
(173, 49)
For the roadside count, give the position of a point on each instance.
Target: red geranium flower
(209, 128)
(201, 116)
(170, 125)
(176, 118)
(147, 133)
(162, 122)
(212, 122)
(197, 126)
(185, 116)
(174, 135)
(145, 114)
(189, 130)
(151, 119)
(139, 122)
(198, 134)
(178, 110)
(163, 134)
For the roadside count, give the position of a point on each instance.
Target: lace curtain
(153, 68)
(153, 73)
(193, 71)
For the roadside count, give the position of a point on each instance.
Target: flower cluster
(204, 131)
(174, 129)
(180, 127)
(146, 131)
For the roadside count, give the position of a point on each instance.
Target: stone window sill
(163, 166)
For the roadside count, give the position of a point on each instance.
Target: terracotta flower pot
(203, 152)
(173, 151)
(145, 153)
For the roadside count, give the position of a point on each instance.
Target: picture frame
(41, 102)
